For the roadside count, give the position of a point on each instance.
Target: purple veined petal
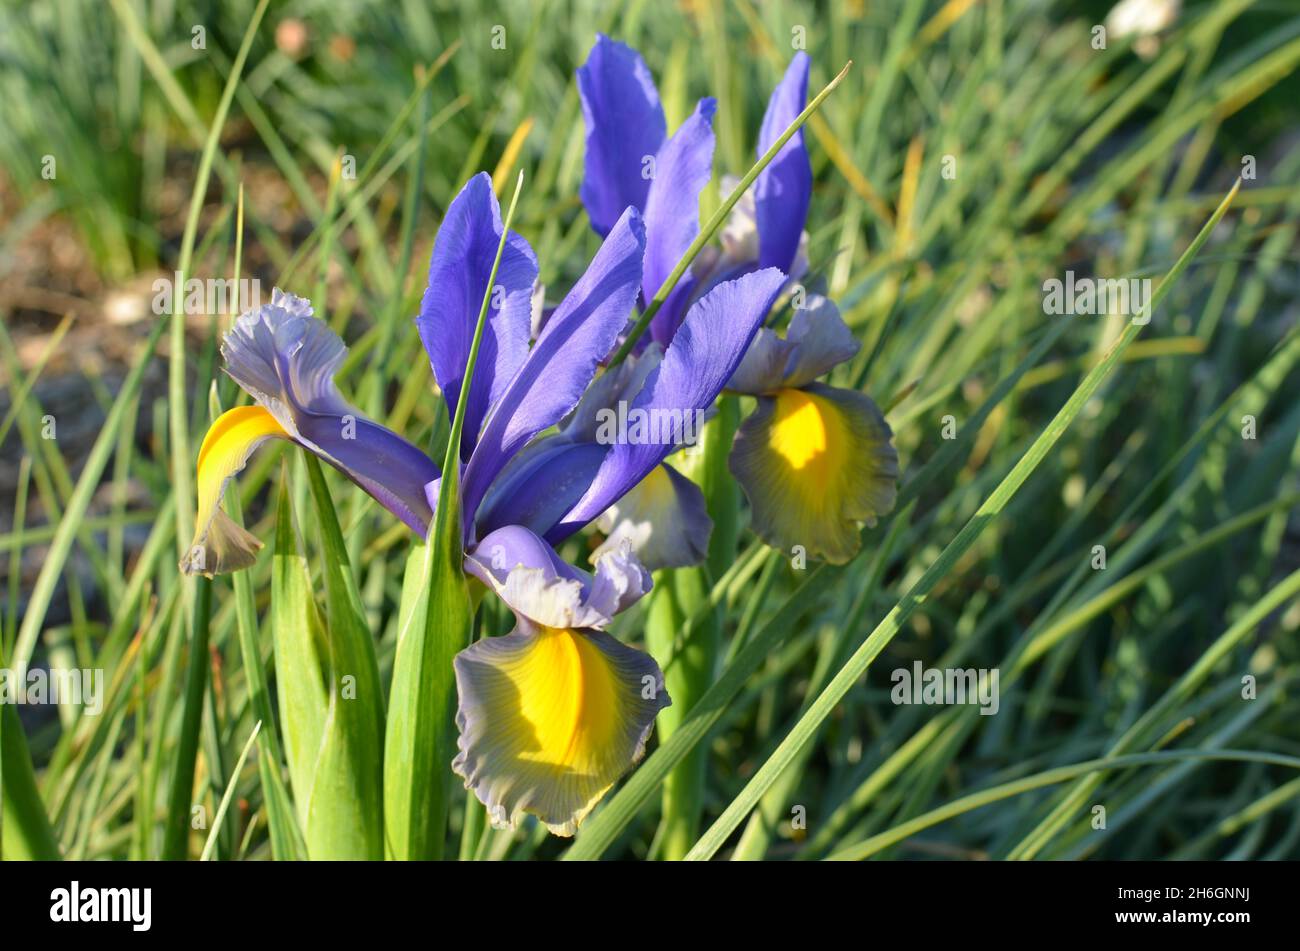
(819, 339)
(379, 461)
(814, 462)
(501, 551)
(625, 129)
(701, 359)
(539, 485)
(550, 382)
(286, 359)
(619, 581)
(459, 269)
(669, 315)
(663, 519)
(763, 368)
(618, 383)
(816, 341)
(682, 169)
(783, 189)
(536, 583)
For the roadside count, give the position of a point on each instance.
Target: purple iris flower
(556, 489)
(633, 163)
(551, 715)
(630, 161)
(814, 460)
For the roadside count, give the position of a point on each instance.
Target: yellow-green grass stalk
(210, 846)
(885, 631)
(1047, 632)
(174, 843)
(1061, 774)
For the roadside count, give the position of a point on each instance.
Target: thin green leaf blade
(805, 729)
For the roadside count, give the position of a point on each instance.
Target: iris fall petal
(554, 713)
(550, 718)
(220, 543)
(286, 359)
(814, 462)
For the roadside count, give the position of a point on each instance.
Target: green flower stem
(683, 595)
(676, 595)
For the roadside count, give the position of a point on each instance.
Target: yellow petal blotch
(568, 700)
(809, 434)
(221, 545)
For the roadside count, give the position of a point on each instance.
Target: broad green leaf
(301, 656)
(345, 811)
(26, 828)
(436, 620)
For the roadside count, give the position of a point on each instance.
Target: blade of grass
(892, 623)
(286, 836)
(957, 807)
(601, 830)
(179, 800)
(17, 396)
(178, 394)
(220, 816)
(345, 815)
(1145, 730)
